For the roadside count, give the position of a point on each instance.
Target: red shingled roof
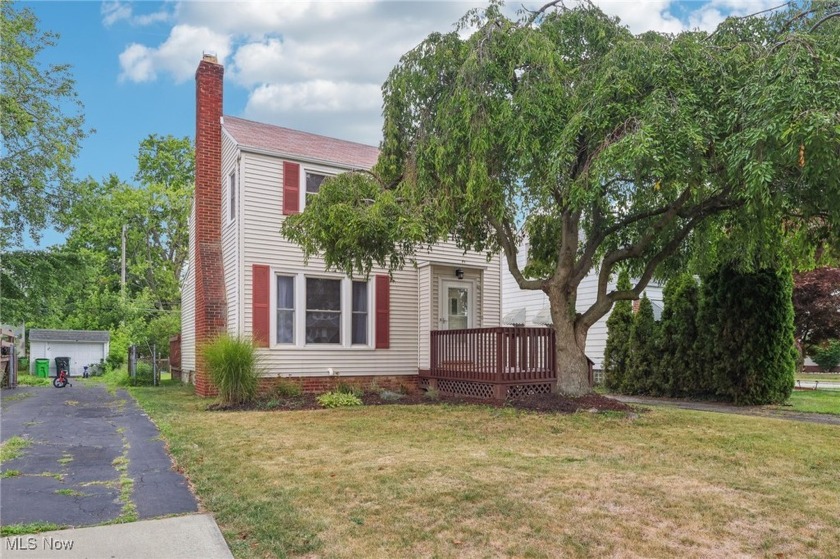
(273, 138)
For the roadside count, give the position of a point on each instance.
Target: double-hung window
(285, 309)
(313, 184)
(359, 318)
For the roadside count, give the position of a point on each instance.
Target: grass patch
(9, 473)
(30, 528)
(71, 493)
(32, 380)
(128, 513)
(13, 448)
(65, 459)
(818, 376)
(468, 481)
(815, 401)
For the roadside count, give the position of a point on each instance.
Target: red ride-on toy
(62, 368)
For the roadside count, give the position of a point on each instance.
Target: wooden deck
(492, 363)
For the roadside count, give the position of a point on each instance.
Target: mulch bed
(548, 403)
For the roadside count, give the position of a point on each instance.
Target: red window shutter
(261, 319)
(383, 312)
(291, 188)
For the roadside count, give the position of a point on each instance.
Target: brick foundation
(319, 385)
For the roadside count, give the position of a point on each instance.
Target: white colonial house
(531, 308)
(246, 279)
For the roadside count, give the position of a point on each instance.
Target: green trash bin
(42, 368)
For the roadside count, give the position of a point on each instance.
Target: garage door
(80, 354)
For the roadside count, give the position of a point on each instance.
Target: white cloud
(137, 63)
(177, 56)
(314, 96)
(318, 65)
(113, 12)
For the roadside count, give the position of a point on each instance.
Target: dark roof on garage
(69, 335)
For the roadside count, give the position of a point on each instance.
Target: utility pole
(122, 276)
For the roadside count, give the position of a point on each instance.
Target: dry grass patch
(468, 481)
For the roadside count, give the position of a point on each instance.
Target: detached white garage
(83, 347)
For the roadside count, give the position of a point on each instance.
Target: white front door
(456, 309)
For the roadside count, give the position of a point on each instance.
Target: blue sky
(310, 65)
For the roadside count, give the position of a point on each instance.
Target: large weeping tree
(608, 150)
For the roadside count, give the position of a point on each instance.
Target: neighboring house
(246, 279)
(531, 308)
(83, 347)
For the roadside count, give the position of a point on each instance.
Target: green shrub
(338, 400)
(233, 367)
(345, 388)
(143, 375)
(827, 356)
(679, 369)
(286, 389)
(644, 352)
(617, 350)
(749, 344)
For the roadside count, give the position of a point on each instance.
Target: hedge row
(730, 338)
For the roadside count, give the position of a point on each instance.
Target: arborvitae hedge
(750, 341)
(678, 372)
(644, 352)
(617, 351)
(732, 339)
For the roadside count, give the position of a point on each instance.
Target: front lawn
(473, 481)
(815, 401)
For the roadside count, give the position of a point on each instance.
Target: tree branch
(508, 243)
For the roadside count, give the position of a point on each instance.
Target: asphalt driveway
(93, 457)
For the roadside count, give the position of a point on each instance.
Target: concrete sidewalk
(183, 537)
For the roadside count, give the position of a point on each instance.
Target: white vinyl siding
(231, 176)
(260, 186)
(188, 305)
(533, 301)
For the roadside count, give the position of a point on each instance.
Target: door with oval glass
(456, 310)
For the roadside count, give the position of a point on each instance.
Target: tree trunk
(570, 342)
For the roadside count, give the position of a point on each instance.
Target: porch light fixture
(459, 273)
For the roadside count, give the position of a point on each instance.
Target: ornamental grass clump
(233, 365)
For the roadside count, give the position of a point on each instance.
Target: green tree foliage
(680, 369)
(827, 355)
(644, 351)
(77, 286)
(617, 350)
(749, 346)
(42, 126)
(42, 286)
(626, 151)
(155, 214)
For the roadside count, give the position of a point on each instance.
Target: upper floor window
(313, 183)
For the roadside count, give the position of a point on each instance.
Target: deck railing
(493, 355)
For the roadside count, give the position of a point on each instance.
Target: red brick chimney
(210, 304)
